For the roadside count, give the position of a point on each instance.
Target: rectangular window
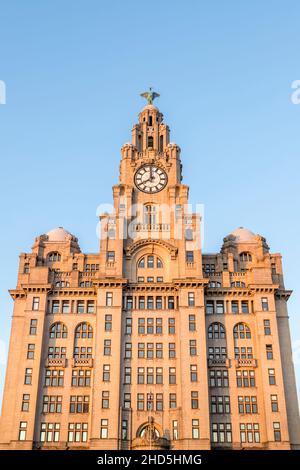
(267, 328)
(209, 307)
(127, 375)
(194, 400)
(30, 351)
(158, 303)
(33, 326)
(150, 350)
(107, 347)
(159, 351)
(272, 378)
(78, 432)
(109, 299)
(195, 429)
(110, 257)
(175, 433)
(105, 399)
(129, 303)
(269, 351)
(171, 303)
(65, 306)
(150, 279)
(28, 376)
(141, 375)
(193, 347)
(81, 378)
(172, 351)
(127, 401)
(159, 402)
(245, 306)
(128, 326)
(192, 322)
(221, 433)
(150, 375)
(108, 323)
(80, 306)
(140, 279)
(245, 378)
(172, 400)
(35, 303)
(159, 279)
(234, 306)
(54, 378)
(249, 432)
(22, 430)
(274, 403)
(79, 403)
(158, 326)
(49, 432)
(191, 299)
(55, 306)
(277, 432)
(264, 304)
(141, 326)
(171, 326)
(189, 257)
(91, 306)
(128, 350)
(141, 350)
(159, 375)
(25, 402)
(140, 401)
(193, 373)
(219, 307)
(218, 378)
(124, 429)
(106, 373)
(150, 303)
(142, 303)
(172, 375)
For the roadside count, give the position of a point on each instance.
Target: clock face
(150, 179)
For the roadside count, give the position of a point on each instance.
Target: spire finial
(150, 95)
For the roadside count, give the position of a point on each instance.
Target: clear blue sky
(74, 71)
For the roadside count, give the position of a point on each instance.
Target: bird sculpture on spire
(150, 95)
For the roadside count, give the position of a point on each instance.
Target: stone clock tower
(149, 343)
(156, 249)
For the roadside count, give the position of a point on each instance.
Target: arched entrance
(150, 436)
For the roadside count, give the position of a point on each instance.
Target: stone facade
(150, 343)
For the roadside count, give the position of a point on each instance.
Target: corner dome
(242, 234)
(58, 234)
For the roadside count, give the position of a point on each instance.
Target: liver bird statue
(150, 95)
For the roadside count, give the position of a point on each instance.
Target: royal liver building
(150, 343)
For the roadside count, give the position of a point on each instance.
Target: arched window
(214, 284)
(58, 330)
(238, 284)
(84, 330)
(54, 256)
(245, 256)
(149, 214)
(150, 141)
(150, 261)
(241, 331)
(62, 284)
(216, 331)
